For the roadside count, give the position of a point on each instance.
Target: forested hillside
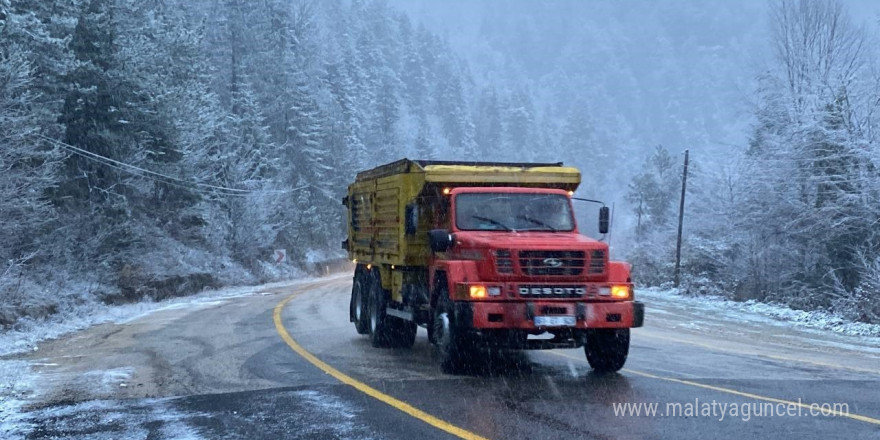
(155, 147)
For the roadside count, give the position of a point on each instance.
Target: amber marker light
(478, 291)
(446, 191)
(620, 292)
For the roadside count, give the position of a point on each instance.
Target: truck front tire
(450, 344)
(607, 349)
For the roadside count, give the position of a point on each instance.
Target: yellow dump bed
(380, 200)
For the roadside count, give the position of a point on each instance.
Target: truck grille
(552, 262)
(597, 262)
(503, 261)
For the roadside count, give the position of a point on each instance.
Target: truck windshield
(513, 212)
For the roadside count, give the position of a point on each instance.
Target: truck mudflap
(537, 315)
(638, 314)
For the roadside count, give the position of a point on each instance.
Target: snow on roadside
(755, 311)
(16, 380)
(120, 419)
(15, 386)
(27, 335)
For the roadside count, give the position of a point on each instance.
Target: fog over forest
(153, 148)
(754, 89)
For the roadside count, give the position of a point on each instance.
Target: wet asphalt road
(222, 371)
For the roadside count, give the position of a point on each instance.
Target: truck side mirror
(440, 240)
(604, 220)
(411, 216)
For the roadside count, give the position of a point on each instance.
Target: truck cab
(487, 256)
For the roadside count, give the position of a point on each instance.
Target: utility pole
(684, 178)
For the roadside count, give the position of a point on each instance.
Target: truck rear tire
(359, 310)
(451, 347)
(403, 334)
(607, 349)
(386, 331)
(380, 326)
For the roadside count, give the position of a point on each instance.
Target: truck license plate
(554, 321)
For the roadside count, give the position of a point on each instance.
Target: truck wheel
(430, 328)
(607, 349)
(380, 326)
(359, 313)
(450, 346)
(403, 334)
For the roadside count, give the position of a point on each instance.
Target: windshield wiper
(536, 221)
(493, 221)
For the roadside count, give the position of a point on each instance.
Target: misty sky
(678, 73)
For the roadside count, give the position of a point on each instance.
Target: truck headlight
(478, 291)
(620, 292)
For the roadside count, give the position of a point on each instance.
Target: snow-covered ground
(27, 335)
(126, 419)
(314, 414)
(775, 314)
(17, 384)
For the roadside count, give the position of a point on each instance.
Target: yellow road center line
(751, 353)
(829, 412)
(362, 387)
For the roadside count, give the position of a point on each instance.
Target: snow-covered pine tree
(652, 195)
(27, 163)
(488, 123)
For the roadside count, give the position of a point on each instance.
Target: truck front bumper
(478, 315)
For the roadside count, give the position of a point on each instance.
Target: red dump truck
(484, 255)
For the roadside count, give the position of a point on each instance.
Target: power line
(201, 188)
(166, 182)
(136, 170)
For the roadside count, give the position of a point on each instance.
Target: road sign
(280, 256)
